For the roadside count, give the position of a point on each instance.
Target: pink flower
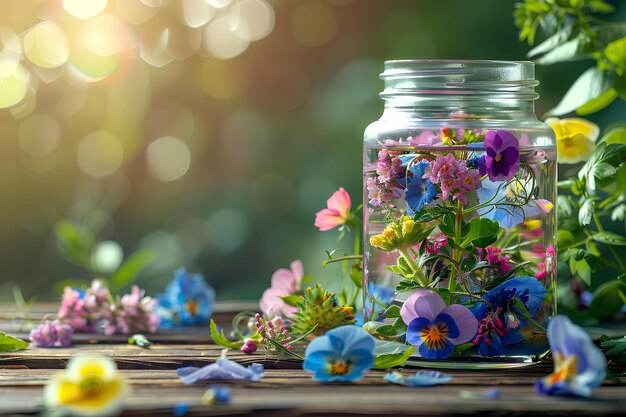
(284, 282)
(443, 167)
(448, 185)
(336, 213)
(132, 313)
(52, 334)
(427, 137)
(249, 346)
(469, 180)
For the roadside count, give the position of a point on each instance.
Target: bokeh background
(209, 131)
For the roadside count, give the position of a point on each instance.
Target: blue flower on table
(188, 300)
(579, 365)
(494, 330)
(419, 191)
(419, 379)
(342, 354)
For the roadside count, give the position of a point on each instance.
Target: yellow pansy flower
(575, 138)
(90, 386)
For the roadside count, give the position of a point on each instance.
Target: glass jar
(459, 192)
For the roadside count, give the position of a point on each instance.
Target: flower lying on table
(222, 369)
(52, 334)
(90, 386)
(579, 365)
(342, 354)
(419, 379)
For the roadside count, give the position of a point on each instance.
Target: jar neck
(459, 89)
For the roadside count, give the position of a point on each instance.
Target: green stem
(456, 253)
(341, 259)
(417, 271)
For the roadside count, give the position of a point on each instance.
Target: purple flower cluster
(52, 334)
(454, 177)
(81, 309)
(131, 313)
(274, 329)
(384, 187)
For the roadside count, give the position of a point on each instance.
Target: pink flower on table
(132, 313)
(336, 213)
(82, 308)
(284, 282)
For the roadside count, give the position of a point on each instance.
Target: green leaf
(583, 45)
(616, 52)
(586, 212)
(139, 340)
(392, 312)
(129, 270)
(598, 103)
(590, 85)
(581, 268)
(482, 233)
(307, 279)
(356, 274)
(75, 242)
(395, 330)
(610, 238)
(617, 136)
(600, 6)
(553, 41)
(9, 343)
(220, 338)
(614, 350)
(407, 285)
(292, 300)
(447, 226)
(390, 354)
(607, 300)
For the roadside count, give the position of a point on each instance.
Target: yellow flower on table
(575, 138)
(90, 386)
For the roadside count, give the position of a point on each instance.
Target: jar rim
(458, 61)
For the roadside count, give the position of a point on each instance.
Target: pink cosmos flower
(336, 213)
(284, 282)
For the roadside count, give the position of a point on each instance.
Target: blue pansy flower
(188, 300)
(342, 354)
(507, 215)
(419, 191)
(494, 332)
(579, 365)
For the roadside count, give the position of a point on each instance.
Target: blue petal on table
(222, 369)
(488, 394)
(420, 379)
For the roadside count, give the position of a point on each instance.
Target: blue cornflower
(494, 331)
(342, 354)
(579, 365)
(188, 300)
(419, 191)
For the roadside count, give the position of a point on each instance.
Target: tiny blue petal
(420, 379)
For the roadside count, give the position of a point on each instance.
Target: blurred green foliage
(271, 133)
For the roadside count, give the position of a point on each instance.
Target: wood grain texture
(286, 390)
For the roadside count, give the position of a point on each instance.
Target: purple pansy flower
(435, 328)
(502, 159)
(579, 365)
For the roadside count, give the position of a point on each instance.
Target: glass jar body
(459, 190)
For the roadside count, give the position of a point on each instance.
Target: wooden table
(286, 390)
